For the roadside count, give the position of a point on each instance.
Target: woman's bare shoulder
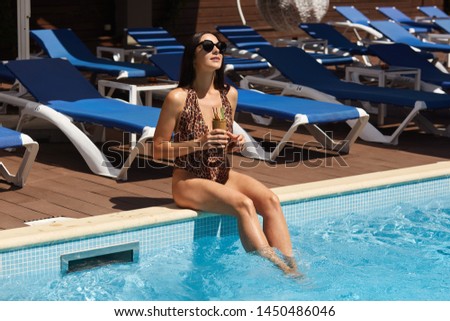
(176, 95)
(232, 94)
(232, 91)
(175, 100)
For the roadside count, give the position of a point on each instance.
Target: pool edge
(107, 223)
(362, 181)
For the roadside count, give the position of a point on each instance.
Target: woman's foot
(270, 254)
(290, 261)
(293, 266)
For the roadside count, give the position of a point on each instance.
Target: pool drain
(100, 256)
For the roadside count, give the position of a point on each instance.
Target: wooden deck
(60, 184)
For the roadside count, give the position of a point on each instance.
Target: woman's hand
(216, 138)
(236, 143)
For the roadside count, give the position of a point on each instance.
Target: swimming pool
(389, 242)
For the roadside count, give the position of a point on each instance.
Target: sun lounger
(433, 12)
(156, 37)
(303, 71)
(160, 39)
(353, 15)
(444, 26)
(65, 44)
(396, 33)
(357, 21)
(301, 112)
(336, 40)
(66, 99)
(397, 54)
(399, 17)
(246, 38)
(11, 139)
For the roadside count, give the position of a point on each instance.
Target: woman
(202, 179)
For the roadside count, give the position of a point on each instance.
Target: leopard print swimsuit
(212, 164)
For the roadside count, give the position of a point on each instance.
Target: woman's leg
(205, 195)
(268, 206)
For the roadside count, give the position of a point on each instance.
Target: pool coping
(119, 221)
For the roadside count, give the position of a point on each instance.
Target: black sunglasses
(208, 46)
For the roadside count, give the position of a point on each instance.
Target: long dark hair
(187, 73)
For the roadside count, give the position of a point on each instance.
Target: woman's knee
(274, 200)
(245, 206)
(181, 198)
(180, 201)
(271, 202)
(270, 205)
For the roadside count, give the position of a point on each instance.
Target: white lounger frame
(342, 146)
(356, 26)
(31, 150)
(95, 159)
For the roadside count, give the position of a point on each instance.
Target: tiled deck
(60, 183)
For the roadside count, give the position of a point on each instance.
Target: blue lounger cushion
(353, 15)
(75, 97)
(444, 25)
(433, 12)
(109, 113)
(317, 112)
(9, 138)
(6, 75)
(398, 16)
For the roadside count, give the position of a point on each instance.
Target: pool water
(402, 253)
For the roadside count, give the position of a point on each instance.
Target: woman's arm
(163, 147)
(232, 96)
(236, 141)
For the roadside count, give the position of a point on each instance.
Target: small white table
(353, 73)
(440, 38)
(135, 86)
